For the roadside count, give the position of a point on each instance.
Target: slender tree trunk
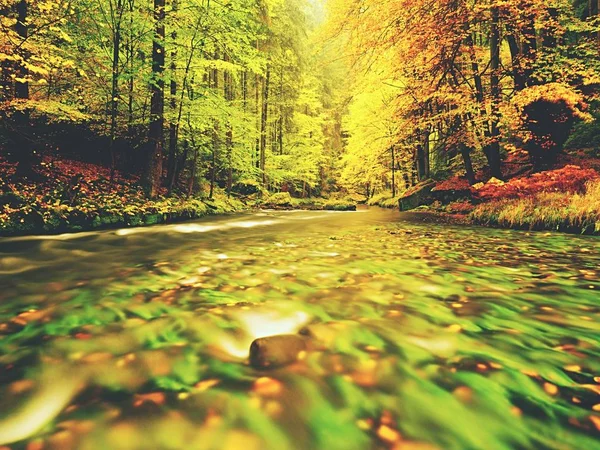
(280, 137)
(22, 87)
(427, 152)
(420, 162)
(466, 154)
(228, 91)
(598, 14)
(193, 173)
(153, 171)
(214, 79)
(263, 126)
(516, 56)
(131, 84)
(548, 34)
(193, 47)
(479, 94)
(172, 163)
(494, 147)
(114, 110)
(23, 148)
(393, 151)
(529, 50)
(258, 113)
(475, 69)
(213, 163)
(245, 90)
(281, 105)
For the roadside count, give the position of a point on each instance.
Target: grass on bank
(283, 200)
(384, 200)
(560, 211)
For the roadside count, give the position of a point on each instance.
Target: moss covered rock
(417, 196)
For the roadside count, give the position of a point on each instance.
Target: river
(419, 336)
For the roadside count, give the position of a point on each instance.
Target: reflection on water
(421, 336)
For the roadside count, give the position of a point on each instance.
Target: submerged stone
(276, 351)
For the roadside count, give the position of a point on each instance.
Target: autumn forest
(353, 100)
(299, 224)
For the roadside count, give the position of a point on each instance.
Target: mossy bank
(61, 218)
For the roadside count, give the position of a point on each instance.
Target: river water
(419, 336)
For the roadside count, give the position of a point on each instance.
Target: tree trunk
(130, 57)
(494, 146)
(172, 162)
(263, 126)
(213, 164)
(215, 134)
(393, 150)
(245, 89)
(114, 109)
(22, 146)
(22, 87)
(281, 105)
(229, 94)
(193, 173)
(466, 154)
(184, 87)
(258, 113)
(427, 152)
(516, 56)
(153, 169)
(420, 162)
(598, 14)
(529, 50)
(549, 34)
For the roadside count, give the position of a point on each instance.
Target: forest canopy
(177, 91)
(299, 96)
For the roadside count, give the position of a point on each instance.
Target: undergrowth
(562, 211)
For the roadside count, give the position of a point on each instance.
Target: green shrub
(280, 199)
(384, 200)
(340, 205)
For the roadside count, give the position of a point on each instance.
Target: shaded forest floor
(65, 195)
(566, 197)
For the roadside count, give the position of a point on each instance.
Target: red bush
(568, 179)
(455, 183)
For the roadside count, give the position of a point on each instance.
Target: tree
(153, 170)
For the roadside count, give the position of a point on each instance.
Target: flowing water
(420, 336)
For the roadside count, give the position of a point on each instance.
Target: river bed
(420, 336)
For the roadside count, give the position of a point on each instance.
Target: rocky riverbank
(565, 199)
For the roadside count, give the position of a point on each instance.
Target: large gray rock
(447, 196)
(417, 196)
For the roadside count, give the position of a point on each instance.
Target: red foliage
(64, 169)
(567, 179)
(579, 158)
(455, 183)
